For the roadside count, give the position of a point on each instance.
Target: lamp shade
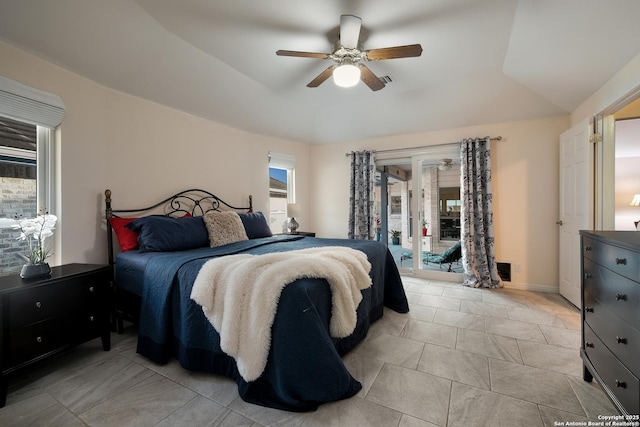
(346, 75)
(293, 210)
(635, 201)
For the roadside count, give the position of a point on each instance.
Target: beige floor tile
(552, 358)
(463, 292)
(593, 400)
(41, 410)
(422, 312)
(217, 388)
(409, 421)
(363, 369)
(562, 337)
(513, 329)
(421, 287)
(484, 308)
(472, 406)
(440, 302)
(420, 395)
(391, 349)
(428, 332)
(489, 345)
(531, 315)
(203, 412)
(552, 417)
(459, 319)
(147, 403)
(534, 385)
(352, 412)
(456, 365)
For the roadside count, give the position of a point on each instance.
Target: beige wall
(142, 151)
(525, 183)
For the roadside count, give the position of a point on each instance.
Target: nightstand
(40, 318)
(304, 233)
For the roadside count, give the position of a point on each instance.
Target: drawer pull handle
(620, 261)
(91, 289)
(587, 275)
(588, 309)
(621, 340)
(621, 297)
(588, 344)
(587, 248)
(38, 339)
(621, 384)
(38, 304)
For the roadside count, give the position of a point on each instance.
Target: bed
(154, 279)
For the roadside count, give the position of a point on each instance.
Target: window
(281, 189)
(25, 159)
(27, 119)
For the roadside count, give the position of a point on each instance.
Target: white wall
(525, 183)
(142, 151)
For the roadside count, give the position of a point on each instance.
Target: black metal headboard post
(195, 202)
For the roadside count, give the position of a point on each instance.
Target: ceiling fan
(349, 59)
(445, 164)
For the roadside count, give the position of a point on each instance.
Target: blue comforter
(304, 367)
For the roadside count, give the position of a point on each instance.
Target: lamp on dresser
(635, 202)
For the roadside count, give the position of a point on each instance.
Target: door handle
(559, 222)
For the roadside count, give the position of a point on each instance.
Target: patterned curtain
(362, 196)
(478, 252)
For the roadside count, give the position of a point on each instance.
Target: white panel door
(576, 205)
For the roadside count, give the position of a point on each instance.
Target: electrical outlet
(518, 268)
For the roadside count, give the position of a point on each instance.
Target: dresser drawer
(622, 383)
(35, 340)
(617, 293)
(623, 261)
(616, 334)
(47, 301)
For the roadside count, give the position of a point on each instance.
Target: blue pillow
(166, 234)
(255, 225)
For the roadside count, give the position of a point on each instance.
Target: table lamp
(635, 202)
(292, 212)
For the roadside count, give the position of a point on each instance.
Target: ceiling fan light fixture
(346, 75)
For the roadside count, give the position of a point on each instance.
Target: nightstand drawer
(622, 383)
(616, 334)
(35, 340)
(620, 260)
(48, 301)
(617, 293)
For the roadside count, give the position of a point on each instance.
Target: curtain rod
(495, 138)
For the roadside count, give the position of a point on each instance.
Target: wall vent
(504, 271)
(387, 79)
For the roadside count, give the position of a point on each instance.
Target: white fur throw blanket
(239, 295)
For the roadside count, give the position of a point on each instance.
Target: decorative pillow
(224, 228)
(255, 225)
(127, 239)
(159, 233)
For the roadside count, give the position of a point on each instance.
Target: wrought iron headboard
(195, 202)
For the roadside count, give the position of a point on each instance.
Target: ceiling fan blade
(321, 77)
(349, 31)
(394, 52)
(370, 79)
(302, 54)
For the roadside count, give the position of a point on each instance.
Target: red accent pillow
(128, 239)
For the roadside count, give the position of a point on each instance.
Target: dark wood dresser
(611, 314)
(43, 317)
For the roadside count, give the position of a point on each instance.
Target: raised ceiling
(483, 61)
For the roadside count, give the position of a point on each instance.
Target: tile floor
(461, 357)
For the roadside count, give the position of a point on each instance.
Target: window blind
(30, 105)
(282, 161)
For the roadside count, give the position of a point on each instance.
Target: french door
(421, 202)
